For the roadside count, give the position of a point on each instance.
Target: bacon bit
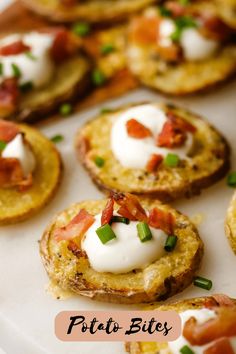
(210, 303)
(11, 175)
(171, 136)
(161, 219)
(76, 228)
(144, 30)
(26, 183)
(223, 300)
(9, 94)
(175, 8)
(137, 130)
(223, 345)
(107, 212)
(181, 123)
(224, 325)
(74, 248)
(154, 163)
(64, 45)
(14, 48)
(171, 53)
(130, 207)
(8, 130)
(213, 27)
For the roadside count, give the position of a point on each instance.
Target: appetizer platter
(148, 179)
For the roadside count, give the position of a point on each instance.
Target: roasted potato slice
(161, 279)
(91, 10)
(227, 11)
(230, 223)
(209, 160)
(17, 206)
(180, 306)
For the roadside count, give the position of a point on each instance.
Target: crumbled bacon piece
(221, 346)
(144, 30)
(8, 130)
(137, 130)
(107, 212)
(75, 249)
(224, 325)
(64, 44)
(9, 94)
(214, 28)
(130, 207)
(161, 219)
(171, 136)
(76, 228)
(11, 174)
(14, 48)
(181, 123)
(175, 8)
(171, 53)
(154, 163)
(223, 300)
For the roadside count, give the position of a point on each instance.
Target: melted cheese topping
(37, 69)
(135, 153)
(126, 252)
(202, 316)
(18, 149)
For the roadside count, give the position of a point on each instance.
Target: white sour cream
(21, 151)
(126, 252)
(166, 29)
(201, 315)
(39, 71)
(135, 153)
(195, 46)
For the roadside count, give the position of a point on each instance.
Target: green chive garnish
(107, 48)
(182, 23)
(170, 243)
(171, 160)
(81, 29)
(144, 232)
(98, 77)
(99, 161)
(2, 145)
(57, 138)
(203, 283)
(105, 110)
(26, 86)
(121, 219)
(164, 11)
(16, 70)
(186, 350)
(1, 68)
(65, 109)
(105, 233)
(31, 56)
(231, 179)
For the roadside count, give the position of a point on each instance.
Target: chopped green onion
(57, 138)
(144, 232)
(31, 56)
(98, 77)
(121, 219)
(105, 233)
(26, 86)
(231, 179)
(107, 48)
(164, 11)
(81, 29)
(3, 144)
(182, 23)
(170, 243)
(65, 109)
(99, 161)
(1, 68)
(16, 70)
(171, 160)
(186, 350)
(176, 35)
(105, 110)
(202, 283)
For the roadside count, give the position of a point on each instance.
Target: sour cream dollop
(202, 316)
(37, 68)
(135, 153)
(18, 149)
(124, 253)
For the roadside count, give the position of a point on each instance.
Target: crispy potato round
(185, 77)
(154, 347)
(227, 11)
(16, 206)
(230, 223)
(91, 10)
(161, 279)
(71, 80)
(209, 160)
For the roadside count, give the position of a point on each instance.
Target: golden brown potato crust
(209, 160)
(161, 279)
(17, 206)
(230, 223)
